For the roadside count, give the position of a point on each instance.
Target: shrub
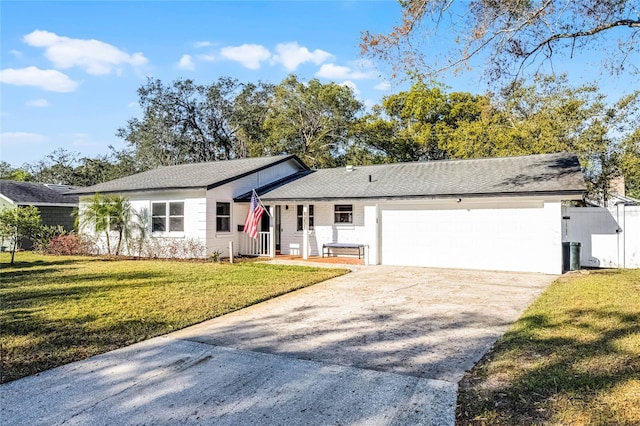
(44, 235)
(189, 248)
(70, 244)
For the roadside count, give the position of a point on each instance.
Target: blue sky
(70, 70)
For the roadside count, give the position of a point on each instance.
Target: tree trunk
(108, 242)
(13, 251)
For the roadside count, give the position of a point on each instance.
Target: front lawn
(55, 310)
(573, 358)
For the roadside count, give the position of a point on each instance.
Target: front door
(277, 227)
(264, 224)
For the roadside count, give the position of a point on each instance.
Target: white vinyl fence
(610, 237)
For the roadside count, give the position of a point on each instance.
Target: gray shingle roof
(543, 174)
(198, 175)
(24, 193)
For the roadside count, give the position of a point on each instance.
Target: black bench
(328, 248)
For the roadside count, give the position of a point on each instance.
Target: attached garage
(504, 236)
(492, 214)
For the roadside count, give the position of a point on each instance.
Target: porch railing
(258, 247)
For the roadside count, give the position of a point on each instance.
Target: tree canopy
(513, 34)
(326, 126)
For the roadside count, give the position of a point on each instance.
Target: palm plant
(107, 213)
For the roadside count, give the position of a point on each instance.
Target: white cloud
(291, 55)
(186, 63)
(351, 85)
(51, 80)
(38, 103)
(132, 104)
(206, 58)
(199, 44)
(20, 138)
(16, 53)
(383, 85)
(338, 72)
(249, 55)
(94, 56)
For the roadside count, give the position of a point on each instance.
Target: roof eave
(565, 193)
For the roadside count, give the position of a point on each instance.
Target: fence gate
(610, 237)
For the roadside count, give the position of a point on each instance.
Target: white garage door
(516, 239)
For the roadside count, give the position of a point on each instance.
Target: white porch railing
(258, 247)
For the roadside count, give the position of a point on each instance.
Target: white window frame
(336, 212)
(300, 215)
(167, 217)
(230, 216)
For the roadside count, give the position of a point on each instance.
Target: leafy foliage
(312, 120)
(69, 245)
(107, 213)
(18, 223)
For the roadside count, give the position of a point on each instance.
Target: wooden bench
(328, 248)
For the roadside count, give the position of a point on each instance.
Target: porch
(262, 247)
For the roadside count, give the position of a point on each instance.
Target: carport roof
(546, 174)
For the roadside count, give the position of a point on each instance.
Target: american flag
(253, 217)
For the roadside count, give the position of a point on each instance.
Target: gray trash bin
(571, 256)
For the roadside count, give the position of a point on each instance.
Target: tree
(184, 123)
(56, 167)
(107, 213)
(251, 109)
(512, 34)
(8, 172)
(312, 120)
(416, 125)
(18, 223)
(630, 163)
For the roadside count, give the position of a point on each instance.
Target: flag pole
(260, 202)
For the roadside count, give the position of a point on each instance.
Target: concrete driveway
(381, 345)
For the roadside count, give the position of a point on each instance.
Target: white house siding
(217, 241)
(195, 226)
(492, 235)
(325, 230)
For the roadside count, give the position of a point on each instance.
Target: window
(343, 213)
(176, 217)
(300, 217)
(173, 222)
(158, 217)
(223, 217)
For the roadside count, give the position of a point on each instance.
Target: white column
(305, 231)
(272, 234)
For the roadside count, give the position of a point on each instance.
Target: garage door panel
(499, 239)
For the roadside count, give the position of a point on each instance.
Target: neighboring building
(56, 207)
(497, 214)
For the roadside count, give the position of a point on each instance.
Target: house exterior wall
(498, 234)
(219, 241)
(195, 224)
(200, 210)
(54, 215)
(325, 230)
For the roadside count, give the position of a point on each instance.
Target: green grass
(55, 310)
(573, 358)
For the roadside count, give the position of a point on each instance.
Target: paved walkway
(381, 345)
